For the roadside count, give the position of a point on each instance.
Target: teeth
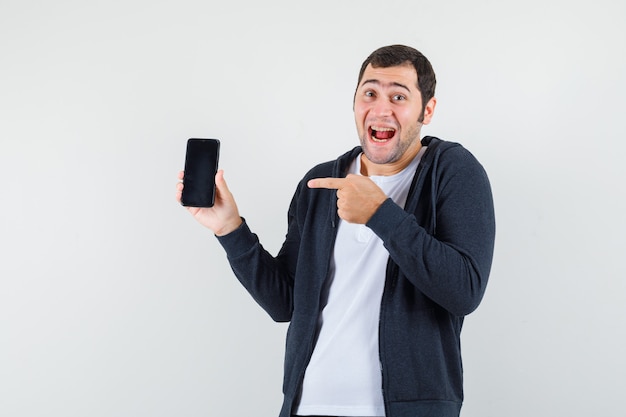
(381, 129)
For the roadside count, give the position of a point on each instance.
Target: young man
(388, 248)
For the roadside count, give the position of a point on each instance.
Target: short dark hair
(396, 55)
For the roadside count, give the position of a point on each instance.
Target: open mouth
(381, 134)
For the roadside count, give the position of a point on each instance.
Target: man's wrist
(229, 227)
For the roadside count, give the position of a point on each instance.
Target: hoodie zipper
(392, 274)
(332, 213)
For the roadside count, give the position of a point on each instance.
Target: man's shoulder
(448, 151)
(450, 159)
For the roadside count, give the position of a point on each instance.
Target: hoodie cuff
(387, 219)
(239, 241)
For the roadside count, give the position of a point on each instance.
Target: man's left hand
(358, 197)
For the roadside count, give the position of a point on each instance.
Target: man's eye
(369, 94)
(399, 97)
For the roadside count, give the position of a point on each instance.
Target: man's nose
(382, 108)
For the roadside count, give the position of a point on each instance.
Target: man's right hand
(223, 217)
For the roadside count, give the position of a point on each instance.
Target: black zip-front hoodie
(440, 251)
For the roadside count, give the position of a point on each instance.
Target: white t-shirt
(343, 377)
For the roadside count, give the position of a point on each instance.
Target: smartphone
(201, 161)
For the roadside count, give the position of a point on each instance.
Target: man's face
(387, 110)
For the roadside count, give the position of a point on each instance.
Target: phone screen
(201, 162)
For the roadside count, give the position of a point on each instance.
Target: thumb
(222, 187)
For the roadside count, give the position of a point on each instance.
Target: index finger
(332, 183)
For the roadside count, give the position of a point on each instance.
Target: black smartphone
(200, 168)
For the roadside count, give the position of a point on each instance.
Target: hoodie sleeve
(268, 279)
(450, 262)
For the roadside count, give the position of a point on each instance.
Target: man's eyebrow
(396, 84)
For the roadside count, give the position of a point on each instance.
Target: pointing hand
(358, 197)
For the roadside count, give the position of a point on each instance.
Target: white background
(114, 302)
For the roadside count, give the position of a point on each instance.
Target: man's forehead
(404, 74)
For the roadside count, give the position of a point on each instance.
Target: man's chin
(379, 156)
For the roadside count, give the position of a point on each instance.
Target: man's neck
(369, 168)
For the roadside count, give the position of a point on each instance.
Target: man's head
(398, 55)
(393, 99)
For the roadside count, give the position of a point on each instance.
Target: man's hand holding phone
(223, 217)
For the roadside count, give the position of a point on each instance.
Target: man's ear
(429, 110)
